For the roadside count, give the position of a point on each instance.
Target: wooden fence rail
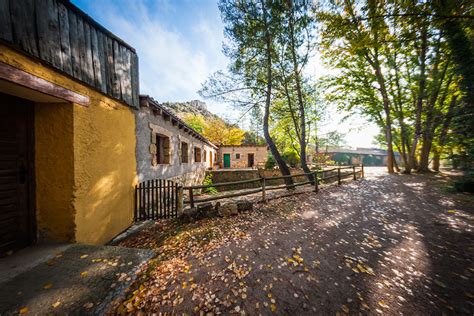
(264, 184)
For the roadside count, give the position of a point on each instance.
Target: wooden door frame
(248, 160)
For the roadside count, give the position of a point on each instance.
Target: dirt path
(386, 244)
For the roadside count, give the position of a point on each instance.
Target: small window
(197, 154)
(204, 155)
(237, 156)
(162, 149)
(184, 152)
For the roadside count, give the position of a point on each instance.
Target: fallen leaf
(382, 304)
(55, 305)
(88, 305)
(84, 274)
(47, 286)
(84, 256)
(23, 310)
(345, 309)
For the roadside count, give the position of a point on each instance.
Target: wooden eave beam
(27, 80)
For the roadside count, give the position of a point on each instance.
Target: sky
(179, 45)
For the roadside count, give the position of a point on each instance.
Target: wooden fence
(321, 175)
(157, 199)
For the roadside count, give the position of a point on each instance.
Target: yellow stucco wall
(53, 165)
(104, 142)
(103, 159)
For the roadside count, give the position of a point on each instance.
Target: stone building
(167, 148)
(68, 88)
(242, 156)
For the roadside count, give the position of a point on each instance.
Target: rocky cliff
(195, 107)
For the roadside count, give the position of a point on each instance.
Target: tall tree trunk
(299, 93)
(436, 160)
(388, 119)
(444, 133)
(266, 116)
(419, 104)
(428, 128)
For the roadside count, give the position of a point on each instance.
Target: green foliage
(397, 67)
(208, 181)
(251, 138)
(291, 158)
(270, 163)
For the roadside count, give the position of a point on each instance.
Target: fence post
(362, 170)
(264, 194)
(354, 172)
(180, 200)
(316, 188)
(339, 176)
(191, 197)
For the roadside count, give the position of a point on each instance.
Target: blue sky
(179, 44)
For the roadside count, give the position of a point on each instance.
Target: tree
(249, 29)
(220, 133)
(197, 122)
(396, 69)
(215, 129)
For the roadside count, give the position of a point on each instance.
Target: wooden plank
(102, 61)
(135, 81)
(109, 58)
(95, 59)
(28, 80)
(118, 70)
(47, 23)
(167, 201)
(65, 53)
(135, 214)
(176, 199)
(81, 48)
(140, 199)
(74, 40)
(126, 78)
(6, 24)
(23, 25)
(87, 66)
(214, 198)
(148, 200)
(160, 198)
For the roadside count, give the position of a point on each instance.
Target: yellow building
(68, 88)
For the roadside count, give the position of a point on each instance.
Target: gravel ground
(387, 244)
(82, 280)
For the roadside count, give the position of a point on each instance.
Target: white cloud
(173, 65)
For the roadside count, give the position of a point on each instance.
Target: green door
(226, 160)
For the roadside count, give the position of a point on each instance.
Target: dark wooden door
(16, 171)
(251, 160)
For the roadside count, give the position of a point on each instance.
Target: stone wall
(239, 156)
(190, 173)
(223, 176)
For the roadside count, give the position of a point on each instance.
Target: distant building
(358, 155)
(242, 156)
(168, 148)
